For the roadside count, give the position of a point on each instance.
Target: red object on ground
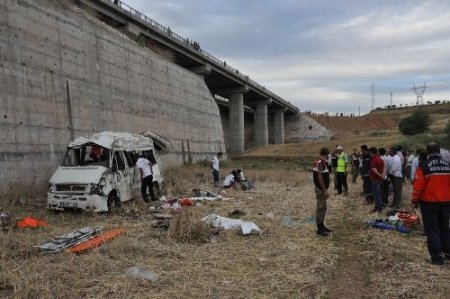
(96, 241)
(408, 219)
(186, 202)
(31, 222)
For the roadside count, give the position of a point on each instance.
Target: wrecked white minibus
(99, 171)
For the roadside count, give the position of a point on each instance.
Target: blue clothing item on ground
(380, 224)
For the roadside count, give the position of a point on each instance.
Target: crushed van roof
(114, 140)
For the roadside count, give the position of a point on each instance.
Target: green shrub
(417, 123)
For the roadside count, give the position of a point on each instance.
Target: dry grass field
(354, 262)
(193, 261)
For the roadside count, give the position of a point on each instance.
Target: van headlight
(96, 189)
(51, 188)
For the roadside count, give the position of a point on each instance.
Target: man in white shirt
(145, 170)
(230, 180)
(215, 168)
(385, 183)
(395, 173)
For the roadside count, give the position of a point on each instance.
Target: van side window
(131, 158)
(118, 160)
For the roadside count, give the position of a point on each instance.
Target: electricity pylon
(419, 91)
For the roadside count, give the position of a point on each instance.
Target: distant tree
(416, 123)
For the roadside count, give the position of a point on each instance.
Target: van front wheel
(113, 202)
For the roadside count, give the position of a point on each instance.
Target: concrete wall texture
(300, 128)
(63, 76)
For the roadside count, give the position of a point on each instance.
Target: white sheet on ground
(246, 227)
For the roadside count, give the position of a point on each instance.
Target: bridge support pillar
(278, 126)
(261, 125)
(236, 102)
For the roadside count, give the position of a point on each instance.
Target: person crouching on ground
(432, 190)
(230, 179)
(321, 179)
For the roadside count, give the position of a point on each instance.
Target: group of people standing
(429, 172)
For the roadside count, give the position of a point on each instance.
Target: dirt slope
(344, 125)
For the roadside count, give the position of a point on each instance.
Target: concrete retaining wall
(300, 127)
(63, 76)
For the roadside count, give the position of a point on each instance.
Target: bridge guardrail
(186, 43)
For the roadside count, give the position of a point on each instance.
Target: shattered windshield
(88, 154)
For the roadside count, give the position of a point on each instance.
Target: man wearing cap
(321, 179)
(341, 170)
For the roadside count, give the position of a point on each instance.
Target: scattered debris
(202, 193)
(70, 239)
(5, 220)
(96, 240)
(270, 215)
(236, 214)
(31, 222)
(185, 202)
(205, 195)
(287, 221)
(141, 272)
(409, 219)
(246, 227)
(161, 223)
(382, 224)
(247, 185)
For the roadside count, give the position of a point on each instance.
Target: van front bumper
(88, 202)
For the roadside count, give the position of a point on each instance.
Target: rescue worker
(146, 175)
(431, 190)
(341, 170)
(321, 179)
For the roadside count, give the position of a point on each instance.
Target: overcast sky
(322, 55)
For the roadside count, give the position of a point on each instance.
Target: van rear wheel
(156, 190)
(113, 202)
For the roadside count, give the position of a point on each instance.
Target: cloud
(329, 51)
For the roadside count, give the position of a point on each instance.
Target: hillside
(378, 128)
(343, 126)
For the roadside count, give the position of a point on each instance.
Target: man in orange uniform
(432, 190)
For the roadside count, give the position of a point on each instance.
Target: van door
(133, 170)
(122, 176)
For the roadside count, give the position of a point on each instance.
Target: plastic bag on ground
(141, 272)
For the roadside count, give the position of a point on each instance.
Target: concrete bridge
(221, 79)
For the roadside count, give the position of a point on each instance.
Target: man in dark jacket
(367, 188)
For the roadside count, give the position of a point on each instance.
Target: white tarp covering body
(246, 227)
